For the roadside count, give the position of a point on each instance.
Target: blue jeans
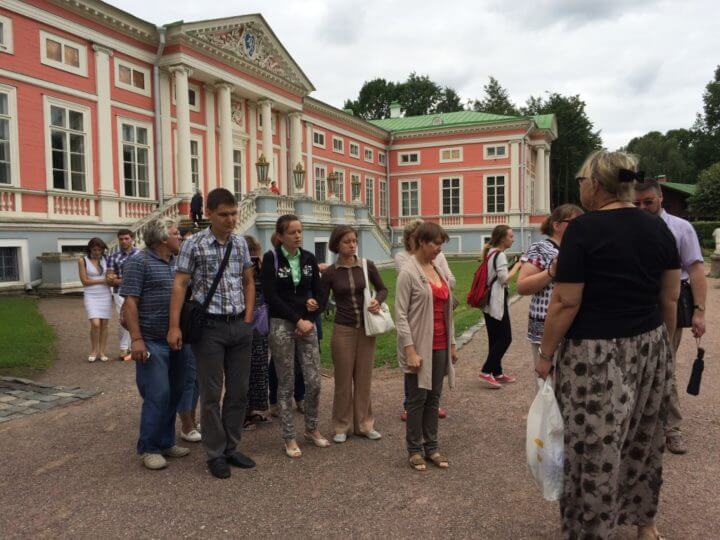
(191, 393)
(160, 380)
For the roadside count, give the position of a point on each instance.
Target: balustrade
(134, 209)
(7, 201)
(72, 205)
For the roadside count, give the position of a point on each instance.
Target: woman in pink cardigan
(425, 343)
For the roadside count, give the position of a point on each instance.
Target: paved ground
(73, 472)
(21, 397)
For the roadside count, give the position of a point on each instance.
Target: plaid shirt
(117, 259)
(201, 255)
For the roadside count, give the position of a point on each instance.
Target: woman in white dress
(98, 300)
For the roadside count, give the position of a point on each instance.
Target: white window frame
(353, 176)
(322, 240)
(409, 164)
(23, 262)
(323, 168)
(201, 169)
(151, 156)
(383, 201)
(369, 151)
(441, 194)
(459, 239)
(191, 87)
(340, 150)
(87, 125)
(324, 138)
(11, 93)
(419, 192)
(132, 67)
(370, 182)
(487, 147)
(450, 159)
(355, 154)
(6, 45)
(341, 184)
(485, 193)
(241, 165)
(382, 158)
(81, 70)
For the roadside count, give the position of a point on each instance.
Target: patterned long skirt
(613, 394)
(258, 388)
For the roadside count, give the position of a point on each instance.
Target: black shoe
(239, 459)
(219, 467)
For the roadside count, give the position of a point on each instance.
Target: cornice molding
(460, 130)
(112, 17)
(313, 104)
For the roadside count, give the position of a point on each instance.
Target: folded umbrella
(693, 387)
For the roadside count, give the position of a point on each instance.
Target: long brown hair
(498, 235)
(560, 214)
(281, 225)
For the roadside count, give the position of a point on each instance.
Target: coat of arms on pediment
(251, 43)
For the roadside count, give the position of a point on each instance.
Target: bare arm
(180, 284)
(698, 284)
(132, 321)
(249, 290)
(84, 279)
(563, 309)
(669, 292)
(532, 279)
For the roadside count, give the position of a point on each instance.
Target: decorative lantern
(299, 176)
(263, 166)
(332, 181)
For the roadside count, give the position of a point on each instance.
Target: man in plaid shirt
(114, 278)
(223, 352)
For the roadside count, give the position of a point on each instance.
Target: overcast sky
(640, 65)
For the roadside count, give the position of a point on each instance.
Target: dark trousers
(160, 381)
(421, 431)
(298, 394)
(499, 339)
(196, 217)
(223, 352)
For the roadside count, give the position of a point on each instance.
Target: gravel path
(72, 472)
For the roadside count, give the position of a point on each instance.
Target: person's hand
(374, 306)
(414, 362)
(110, 278)
(303, 327)
(311, 305)
(139, 351)
(552, 269)
(174, 338)
(453, 354)
(323, 266)
(543, 368)
(698, 324)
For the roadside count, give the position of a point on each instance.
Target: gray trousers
(422, 408)
(283, 346)
(674, 416)
(223, 353)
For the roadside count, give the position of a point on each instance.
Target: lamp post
(299, 177)
(263, 166)
(332, 181)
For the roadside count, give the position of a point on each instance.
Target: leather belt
(226, 318)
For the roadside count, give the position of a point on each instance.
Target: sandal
(417, 463)
(439, 460)
(320, 442)
(294, 453)
(248, 425)
(258, 418)
(104, 358)
(92, 358)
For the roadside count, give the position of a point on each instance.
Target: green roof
(459, 118)
(689, 189)
(544, 121)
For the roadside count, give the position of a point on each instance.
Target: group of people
(602, 322)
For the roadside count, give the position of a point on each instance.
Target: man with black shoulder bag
(693, 292)
(218, 322)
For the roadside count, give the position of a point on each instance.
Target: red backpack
(479, 294)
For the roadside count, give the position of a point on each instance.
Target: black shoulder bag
(193, 313)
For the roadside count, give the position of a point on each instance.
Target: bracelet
(136, 339)
(544, 356)
(549, 274)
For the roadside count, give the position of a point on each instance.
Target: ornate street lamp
(355, 182)
(263, 166)
(332, 181)
(299, 176)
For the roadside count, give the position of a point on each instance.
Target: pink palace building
(107, 121)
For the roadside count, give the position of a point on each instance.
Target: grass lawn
(465, 316)
(28, 342)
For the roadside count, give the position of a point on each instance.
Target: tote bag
(379, 323)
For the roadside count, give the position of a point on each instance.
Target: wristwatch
(699, 307)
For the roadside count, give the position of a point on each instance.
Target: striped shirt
(541, 255)
(201, 255)
(117, 259)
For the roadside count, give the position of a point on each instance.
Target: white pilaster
(540, 179)
(309, 166)
(252, 128)
(283, 168)
(267, 142)
(107, 193)
(182, 113)
(548, 194)
(514, 177)
(295, 147)
(226, 138)
(211, 154)
(165, 153)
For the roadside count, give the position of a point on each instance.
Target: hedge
(704, 230)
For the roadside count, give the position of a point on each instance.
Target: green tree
(711, 105)
(576, 139)
(374, 99)
(668, 155)
(706, 201)
(496, 100)
(451, 102)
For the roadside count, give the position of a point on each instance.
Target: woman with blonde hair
(609, 328)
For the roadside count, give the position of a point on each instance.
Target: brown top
(347, 284)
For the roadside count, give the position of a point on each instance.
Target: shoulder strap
(219, 274)
(366, 290)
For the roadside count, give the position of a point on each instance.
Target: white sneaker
(192, 436)
(373, 435)
(340, 438)
(154, 462)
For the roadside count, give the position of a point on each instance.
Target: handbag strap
(366, 290)
(219, 274)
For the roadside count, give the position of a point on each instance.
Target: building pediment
(247, 42)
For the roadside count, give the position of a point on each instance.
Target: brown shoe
(676, 444)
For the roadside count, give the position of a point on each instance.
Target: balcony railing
(72, 205)
(8, 201)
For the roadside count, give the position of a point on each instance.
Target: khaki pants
(353, 355)
(674, 417)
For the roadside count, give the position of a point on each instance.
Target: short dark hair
(430, 232)
(95, 242)
(253, 244)
(337, 235)
(125, 232)
(220, 196)
(648, 183)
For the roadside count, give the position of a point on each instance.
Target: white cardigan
(499, 268)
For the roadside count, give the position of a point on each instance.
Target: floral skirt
(613, 395)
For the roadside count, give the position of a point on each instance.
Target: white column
(283, 168)
(548, 196)
(514, 177)
(295, 146)
(267, 142)
(210, 155)
(182, 113)
(540, 179)
(165, 153)
(252, 129)
(107, 193)
(309, 166)
(226, 138)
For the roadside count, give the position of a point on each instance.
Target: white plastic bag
(544, 442)
(376, 324)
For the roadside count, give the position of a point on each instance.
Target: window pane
(72, 56)
(194, 148)
(138, 79)
(128, 172)
(77, 143)
(9, 268)
(58, 159)
(57, 116)
(2, 32)
(5, 173)
(3, 104)
(78, 181)
(128, 133)
(192, 97)
(76, 120)
(141, 135)
(142, 156)
(501, 151)
(77, 163)
(57, 140)
(53, 50)
(4, 130)
(124, 73)
(59, 179)
(129, 188)
(144, 189)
